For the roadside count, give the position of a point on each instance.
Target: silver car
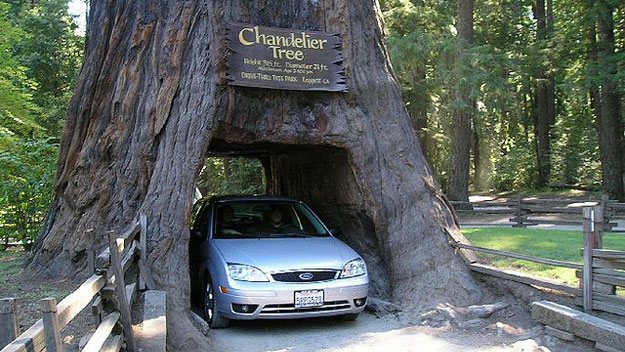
(261, 257)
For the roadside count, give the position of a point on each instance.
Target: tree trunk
(610, 130)
(551, 88)
(544, 108)
(527, 112)
(419, 113)
(477, 160)
(549, 16)
(151, 101)
(227, 172)
(542, 132)
(458, 182)
(595, 94)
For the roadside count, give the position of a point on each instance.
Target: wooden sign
(279, 58)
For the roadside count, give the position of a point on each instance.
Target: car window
(245, 219)
(195, 212)
(202, 219)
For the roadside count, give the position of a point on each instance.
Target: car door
(197, 242)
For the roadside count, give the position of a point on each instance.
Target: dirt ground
(393, 332)
(368, 333)
(28, 292)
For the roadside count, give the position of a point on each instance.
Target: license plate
(308, 299)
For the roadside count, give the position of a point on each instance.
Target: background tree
(245, 176)
(40, 56)
(609, 114)
(512, 61)
(458, 184)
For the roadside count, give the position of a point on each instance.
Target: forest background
(505, 95)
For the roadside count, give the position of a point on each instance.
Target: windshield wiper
(294, 234)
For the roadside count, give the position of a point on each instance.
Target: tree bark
(544, 105)
(419, 113)
(477, 160)
(458, 181)
(593, 62)
(151, 101)
(610, 127)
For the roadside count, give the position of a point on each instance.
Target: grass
(549, 244)
(10, 265)
(47, 291)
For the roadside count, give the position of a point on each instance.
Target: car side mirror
(335, 231)
(197, 235)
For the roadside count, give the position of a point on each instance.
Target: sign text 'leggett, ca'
(278, 58)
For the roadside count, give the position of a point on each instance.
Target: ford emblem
(306, 276)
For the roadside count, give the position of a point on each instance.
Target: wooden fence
(107, 292)
(600, 274)
(529, 211)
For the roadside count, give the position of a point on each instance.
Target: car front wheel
(213, 317)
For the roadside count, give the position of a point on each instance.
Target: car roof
(227, 198)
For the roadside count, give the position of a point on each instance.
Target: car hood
(280, 254)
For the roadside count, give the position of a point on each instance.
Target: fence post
(589, 242)
(120, 291)
(599, 226)
(51, 325)
(142, 251)
(605, 198)
(519, 212)
(91, 250)
(9, 328)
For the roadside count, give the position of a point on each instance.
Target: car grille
(290, 308)
(294, 276)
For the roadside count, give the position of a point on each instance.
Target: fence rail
(528, 211)
(107, 292)
(551, 262)
(600, 274)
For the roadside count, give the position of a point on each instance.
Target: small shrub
(26, 188)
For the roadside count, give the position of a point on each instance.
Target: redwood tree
(152, 100)
(609, 114)
(544, 97)
(458, 182)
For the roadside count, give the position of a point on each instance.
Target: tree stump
(152, 101)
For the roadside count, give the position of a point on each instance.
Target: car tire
(350, 317)
(214, 319)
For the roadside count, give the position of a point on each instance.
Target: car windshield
(255, 219)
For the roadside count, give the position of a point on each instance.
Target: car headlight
(245, 273)
(353, 268)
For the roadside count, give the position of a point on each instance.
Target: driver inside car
(275, 222)
(224, 224)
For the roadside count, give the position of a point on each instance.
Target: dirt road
(367, 334)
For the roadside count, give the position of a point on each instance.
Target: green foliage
(515, 168)
(26, 186)
(221, 176)
(501, 70)
(51, 51)
(40, 58)
(16, 108)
